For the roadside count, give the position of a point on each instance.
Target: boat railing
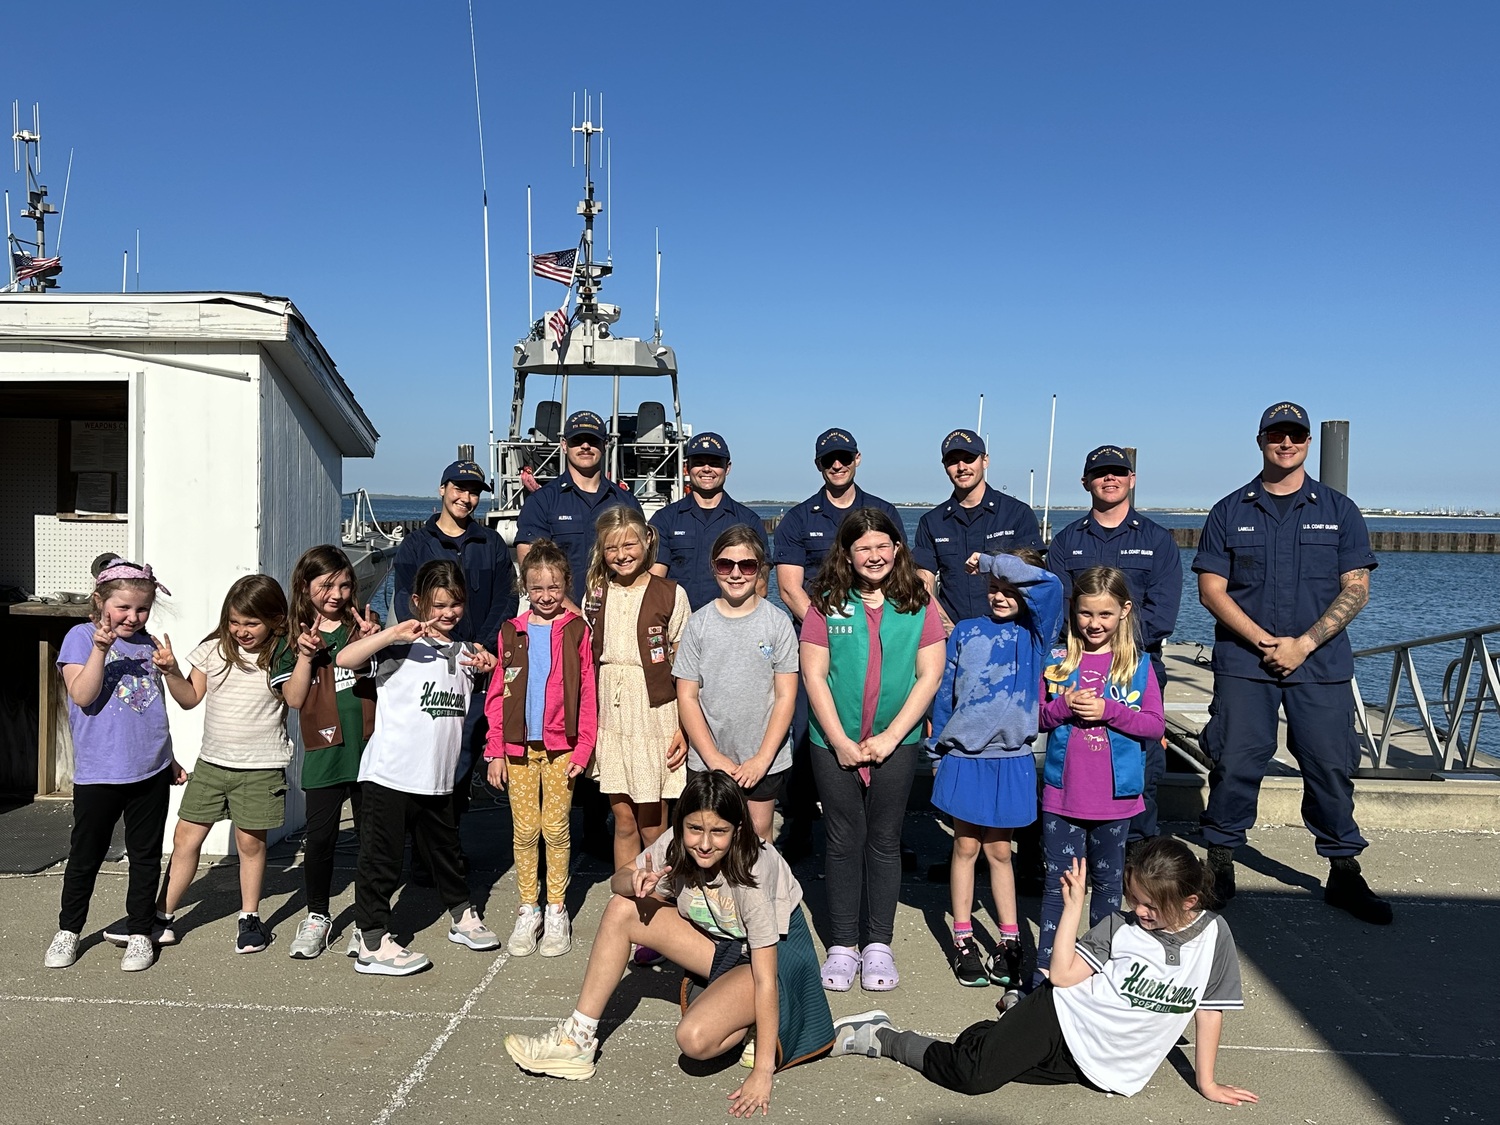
(1448, 723)
(362, 521)
(648, 468)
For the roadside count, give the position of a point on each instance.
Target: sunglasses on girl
(725, 567)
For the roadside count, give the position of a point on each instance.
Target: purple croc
(878, 969)
(840, 967)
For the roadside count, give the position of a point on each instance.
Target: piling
(1333, 456)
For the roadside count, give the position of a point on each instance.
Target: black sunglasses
(725, 567)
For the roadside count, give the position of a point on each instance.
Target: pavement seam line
(222, 1006)
(418, 1072)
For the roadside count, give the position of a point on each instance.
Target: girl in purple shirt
(1103, 706)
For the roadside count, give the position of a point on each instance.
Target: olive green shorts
(252, 799)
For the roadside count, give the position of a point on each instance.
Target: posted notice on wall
(98, 453)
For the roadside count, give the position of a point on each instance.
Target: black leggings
(1026, 1045)
(863, 828)
(96, 811)
(325, 809)
(386, 816)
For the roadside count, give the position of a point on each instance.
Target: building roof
(132, 321)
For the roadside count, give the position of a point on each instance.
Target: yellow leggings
(541, 793)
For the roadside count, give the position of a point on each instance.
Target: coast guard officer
(1115, 534)
(975, 518)
(689, 527)
(804, 538)
(565, 508)
(454, 534)
(1284, 565)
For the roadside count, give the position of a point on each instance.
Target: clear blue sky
(1170, 215)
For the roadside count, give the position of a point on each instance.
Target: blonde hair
(1124, 646)
(612, 522)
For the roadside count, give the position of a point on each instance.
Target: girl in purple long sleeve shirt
(1103, 706)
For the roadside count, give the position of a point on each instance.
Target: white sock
(582, 1027)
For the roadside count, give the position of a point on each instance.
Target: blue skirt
(989, 792)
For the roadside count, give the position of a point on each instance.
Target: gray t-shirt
(735, 661)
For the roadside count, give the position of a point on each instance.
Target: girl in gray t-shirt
(736, 672)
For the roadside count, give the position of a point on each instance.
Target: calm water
(1412, 594)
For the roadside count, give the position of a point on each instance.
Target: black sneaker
(1005, 965)
(1346, 889)
(1221, 864)
(968, 966)
(253, 937)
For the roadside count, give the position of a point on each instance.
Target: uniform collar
(470, 532)
(819, 501)
(1133, 521)
(1255, 493)
(989, 502)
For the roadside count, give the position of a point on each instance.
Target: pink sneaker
(390, 959)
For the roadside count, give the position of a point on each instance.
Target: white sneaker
(390, 959)
(312, 937)
(163, 931)
(557, 931)
(554, 1052)
(528, 930)
(139, 954)
(63, 951)
(355, 941)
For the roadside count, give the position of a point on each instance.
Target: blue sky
(1169, 215)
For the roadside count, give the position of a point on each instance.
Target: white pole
(124, 269)
(1047, 502)
(530, 300)
(979, 428)
(137, 259)
(657, 322)
(484, 195)
(1031, 490)
(10, 262)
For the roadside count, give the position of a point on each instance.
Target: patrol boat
(644, 448)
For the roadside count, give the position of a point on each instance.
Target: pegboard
(65, 549)
(28, 466)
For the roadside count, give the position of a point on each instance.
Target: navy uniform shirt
(564, 513)
(1283, 571)
(1147, 554)
(950, 533)
(805, 534)
(688, 531)
(488, 574)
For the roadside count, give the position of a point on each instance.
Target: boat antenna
(656, 337)
(62, 216)
(124, 269)
(609, 196)
(484, 197)
(10, 260)
(137, 259)
(33, 268)
(1047, 501)
(979, 426)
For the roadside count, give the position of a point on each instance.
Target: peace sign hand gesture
(644, 880)
(367, 623)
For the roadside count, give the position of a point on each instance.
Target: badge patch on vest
(658, 655)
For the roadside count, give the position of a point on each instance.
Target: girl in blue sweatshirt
(984, 721)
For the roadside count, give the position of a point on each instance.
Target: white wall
(300, 481)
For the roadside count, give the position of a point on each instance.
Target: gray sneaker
(390, 960)
(139, 954)
(855, 1035)
(471, 931)
(312, 937)
(63, 951)
(354, 943)
(557, 932)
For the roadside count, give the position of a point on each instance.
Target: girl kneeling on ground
(710, 895)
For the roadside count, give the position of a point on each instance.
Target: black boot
(1346, 888)
(1221, 864)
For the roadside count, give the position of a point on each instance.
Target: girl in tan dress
(636, 619)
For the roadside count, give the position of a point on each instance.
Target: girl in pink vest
(543, 719)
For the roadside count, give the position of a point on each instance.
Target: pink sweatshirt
(554, 733)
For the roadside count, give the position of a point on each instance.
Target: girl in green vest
(872, 657)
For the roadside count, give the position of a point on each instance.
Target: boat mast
(593, 319)
(34, 272)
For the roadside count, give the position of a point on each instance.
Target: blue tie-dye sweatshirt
(988, 702)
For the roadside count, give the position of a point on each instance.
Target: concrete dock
(1344, 1023)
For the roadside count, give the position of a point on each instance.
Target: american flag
(559, 323)
(28, 267)
(556, 266)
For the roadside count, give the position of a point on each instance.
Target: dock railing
(1450, 722)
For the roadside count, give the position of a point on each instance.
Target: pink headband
(120, 569)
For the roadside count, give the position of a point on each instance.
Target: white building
(203, 433)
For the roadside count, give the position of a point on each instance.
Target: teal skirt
(805, 1029)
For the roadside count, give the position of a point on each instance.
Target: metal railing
(1450, 722)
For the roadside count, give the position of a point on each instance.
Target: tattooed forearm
(1352, 598)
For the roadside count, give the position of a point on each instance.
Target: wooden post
(46, 740)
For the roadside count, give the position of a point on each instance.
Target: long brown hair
(314, 564)
(1125, 649)
(716, 792)
(903, 587)
(259, 596)
(611, 522)
(1164, 871)
(434, 575)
